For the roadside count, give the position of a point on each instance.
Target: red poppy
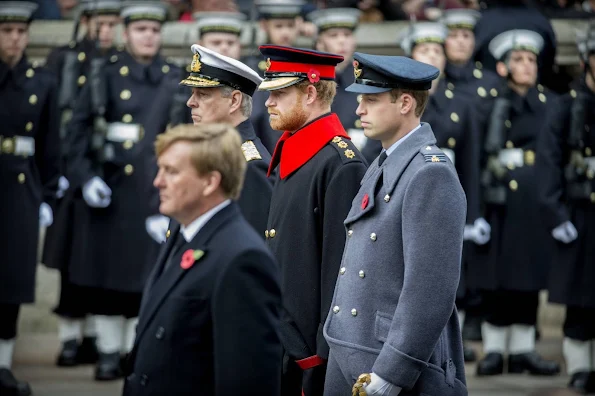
(313, 76)
(365, 201)
(187, 259)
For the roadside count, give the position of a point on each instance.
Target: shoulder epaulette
(345, 148)
(250, 151)
(433, 154)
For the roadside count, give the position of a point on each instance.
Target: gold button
(540, 87)
(21, 178)
(81, 56)
(494, 92)
(592, 196)
(125, 94)
(113, 58)
(542, 98)
(373, 236)
(513, 185)
(30, 73)
(591, 174)
(478, 65)
(29, 127)
(165, 69)
(573, 93)
(354, 312)
(481, 91)
(450, 86)
(272, 233)
(588, 151)
(127, 144)
(336, 309)
(386, 198)
(358, 124)
(168, 233)
(127, 118)
(362, 274)
(508, 124)
(452, 142)
(530, 157)
(266, 234)
(350, 233)
(509, 144)
(81, 80)
(33, 99)
(128, 169)
(124, 71)
(342, 271)
(454, 117)
(7, 146)
(477, 73)
(449, 94)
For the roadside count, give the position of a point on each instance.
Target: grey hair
(246, 107)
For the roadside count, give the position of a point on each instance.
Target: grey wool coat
(393, 310)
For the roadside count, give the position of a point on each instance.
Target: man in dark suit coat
(210, 310)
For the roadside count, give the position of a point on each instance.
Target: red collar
(294, 150)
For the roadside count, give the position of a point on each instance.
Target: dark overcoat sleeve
(245, 304)
(255, 199)
(339, 194)
(47, 143)
(470, 164)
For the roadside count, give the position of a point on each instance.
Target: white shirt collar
(401, 140)
(194, 227)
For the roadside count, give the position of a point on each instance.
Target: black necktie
(382, 157)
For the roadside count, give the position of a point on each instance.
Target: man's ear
(502, 69)
(312, 94)
(212, 183)
(407, 103)
(236, 101)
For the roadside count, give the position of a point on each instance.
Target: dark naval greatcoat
(518, 254)
(393, 310)
(572, 277)
(29, 172)
(111, 247)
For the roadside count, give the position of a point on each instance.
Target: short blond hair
(215, 147)
(421, 98)
(326, 90)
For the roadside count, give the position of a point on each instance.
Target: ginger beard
(293, 119)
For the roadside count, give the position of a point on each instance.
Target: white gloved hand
(46, 215)
(157, 227)
(380, 387)
(479, 232)
(63, 185)
(96, 193)
(565, 232)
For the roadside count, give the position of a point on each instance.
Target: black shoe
(9, 386)
(491, 364)
(108, 367)
(87, 353)
(469, 354)
(472, 329)
(533, 363)
(579, 381)
(68, 354)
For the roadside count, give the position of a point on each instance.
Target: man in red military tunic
(319, 174)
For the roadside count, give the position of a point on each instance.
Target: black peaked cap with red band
(287, 66)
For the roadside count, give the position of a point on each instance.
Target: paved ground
(35, 357)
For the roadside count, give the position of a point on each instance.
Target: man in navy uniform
(210, 315)
(319, 173)
(336, 34)
(513, 266)
(220, 31)
(29, 173)
(112, 168)
(393, 325)
(72, 65)
(566, 169)
(222, 90)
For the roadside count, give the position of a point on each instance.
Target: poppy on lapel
(365, 201)
(190, 257)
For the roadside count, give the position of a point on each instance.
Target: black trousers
(508, 307)
(9, 317)
(294, 380)
(579, 323)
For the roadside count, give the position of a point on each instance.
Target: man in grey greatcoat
(392, 326)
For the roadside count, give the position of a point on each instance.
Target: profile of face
(14, 37)
(287, 109)
(143, 37)
(377, 114)
(181, 189)
(280, 31)
(340, 41)
(459, 45)
(227, 44)
(431, 54)
(207, 105)
(522, 66)
(106, 26)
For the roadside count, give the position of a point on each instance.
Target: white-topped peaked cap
(335, 18)
(17, 11)
(220, 22)
(585, 40)
(421, 32)
(100, 6)
(279, 9)
(460, 18)
(210, 69)
(518, 39)
(136, 10)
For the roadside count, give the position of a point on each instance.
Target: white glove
(63, 185)
(479, 232)
(96, 193)
(157, 226)
(565, 232)
(46, 215)
(380, 387)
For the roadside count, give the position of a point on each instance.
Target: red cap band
(322, 71)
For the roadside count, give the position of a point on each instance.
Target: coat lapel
(168, 280)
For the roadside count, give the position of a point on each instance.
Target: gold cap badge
(268, 64)
(357, 72)
(195, 66)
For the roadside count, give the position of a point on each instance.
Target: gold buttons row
(270, 233)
